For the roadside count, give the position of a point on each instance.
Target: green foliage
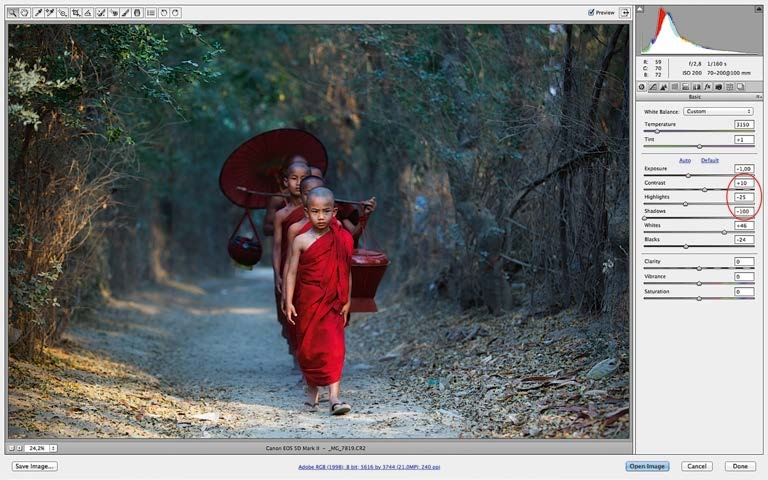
(435, 111)
(27, 84)
(102, 61)
(93, 96)
(33, 293)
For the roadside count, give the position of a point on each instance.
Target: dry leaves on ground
(515, 375)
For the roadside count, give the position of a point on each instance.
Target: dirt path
(202, 360)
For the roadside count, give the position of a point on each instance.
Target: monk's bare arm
(276, 250)
(350, 227)
(293, 231)
(290, 280)
(275, 203)
(356, 230)
(346, 307)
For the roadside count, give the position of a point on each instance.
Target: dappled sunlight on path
(175, 362)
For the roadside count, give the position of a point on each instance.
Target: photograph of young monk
(317, 302)
(344, 217)
(482, 172)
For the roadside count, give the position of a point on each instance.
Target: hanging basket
(368, 268)
(245, 251)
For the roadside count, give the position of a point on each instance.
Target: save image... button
(636, 466)
(34, 466)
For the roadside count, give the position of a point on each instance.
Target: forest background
(498, 155)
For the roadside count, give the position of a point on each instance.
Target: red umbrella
(255, 165)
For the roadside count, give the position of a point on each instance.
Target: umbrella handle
(285, 195)
(341, 200)
(266, 194)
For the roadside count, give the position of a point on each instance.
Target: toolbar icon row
(87, 13)
(691, 86)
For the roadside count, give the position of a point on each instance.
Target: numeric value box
(742, 212)
(741, 182)
(744, 261)
(744, 197)
(744, 276)
(744, 168)
(744, 292)
(743, 225)
(743, 124)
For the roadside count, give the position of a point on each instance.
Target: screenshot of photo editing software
(411, 240)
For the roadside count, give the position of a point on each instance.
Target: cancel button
(697, 466)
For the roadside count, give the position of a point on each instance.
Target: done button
(740, 466)
(635, 466)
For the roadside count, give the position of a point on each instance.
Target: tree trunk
(566, 153)
(479, 263)
(594, 195)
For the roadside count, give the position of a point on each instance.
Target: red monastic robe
(296, 215)
(287, 332)
(322, 289)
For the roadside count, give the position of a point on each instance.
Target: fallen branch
(525, 227)
(524, 264)
(575, 162)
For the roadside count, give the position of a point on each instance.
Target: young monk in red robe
(306, 184)
(284, 218)
(278, 202)
(354, 225)
(319, 280)
(347, 216)
(355, 229)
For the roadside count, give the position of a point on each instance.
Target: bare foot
(311, 404)
(324, 397)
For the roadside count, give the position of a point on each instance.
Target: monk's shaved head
(297, 167)
(311, 182)
(314, 171)
(321, 194)
(287, 161)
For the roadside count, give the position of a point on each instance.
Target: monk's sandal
(340, 408)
